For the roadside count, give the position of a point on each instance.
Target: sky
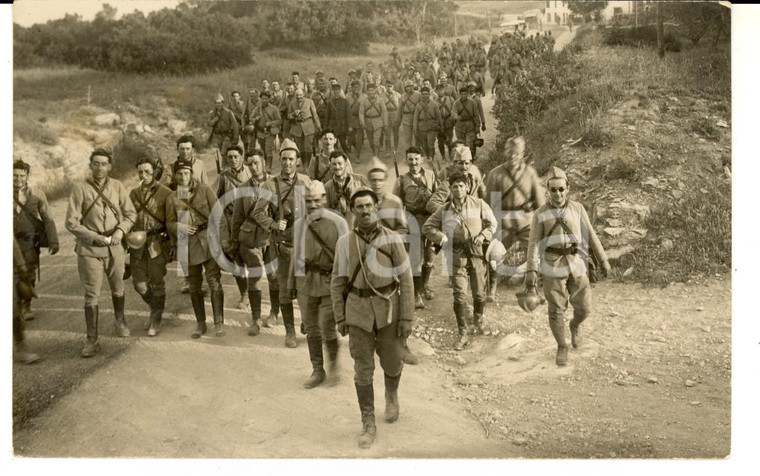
(29, 12)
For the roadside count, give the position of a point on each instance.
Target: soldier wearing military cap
(373, 306)
(473, 93)
(186, 152)
(268, 122)
(304, 124)
(277, 216)
(562, 238)
(391, 135)
(99, 215)
(407, 104)
(427, 123)
(466, 119)
(225, 130)
(187, 215)
(342, 185)
(373, 117)
(320, 168)
(338, 115)
(461, 163)
(355, 130)
(148, 242)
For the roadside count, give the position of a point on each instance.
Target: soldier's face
(414, 161)
(516, 157)
(265, 84)
(265, 101)
(256, 163)
(19, 178)
(288, 162)
(377, 181)
(328, 141)
(299, 95)
(363, 209)
(558, 190)
(463, 165)
(458, 190)
(145, 173)
(218, 105)
(356, 90)
(338, 166)
(425, 96)
(100, 166)
(235, 159)
(372, 93)
(183, 176)
(315, 203)
(236, 96)
(185, 150)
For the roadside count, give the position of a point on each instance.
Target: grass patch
(34, 131)
(705, 128)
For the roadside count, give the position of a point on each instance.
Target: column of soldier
(357, 258)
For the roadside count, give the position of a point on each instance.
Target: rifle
(218, 159)
(395, 165)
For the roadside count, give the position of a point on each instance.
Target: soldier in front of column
(33, 228)
(277, 216)
(267, 121)
(521, 194)
(466, 119)
(187, 216)
(405, 115)
(415, 188)
(427, 123)
(467, 222)
(311, 271)
(372, 308)
(99, 214)
(373, 117)
(355, 130)
(562, 237)
(342, 185)
(304, 123)
(148, 242)
(225, 131)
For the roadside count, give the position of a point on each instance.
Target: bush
(641, 36)
(705, 128)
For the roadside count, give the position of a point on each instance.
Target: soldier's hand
(53, 249)
(478, 240)
(404, 329)
(444, 240)
(342, 328)
(531, 277)
(101, 240)
(483, 127)
(192, 229)
(280, 225)
(117, 236)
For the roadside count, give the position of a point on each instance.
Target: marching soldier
(187, 219)
(521, 194)
(251, 243)
(304, 123)
(342, 185)
(225, 131)
(373, 117)
(472, 91)
(355, 130)
(337, 115)
(33, 228)
(415, 188)
(427, 123)
(405, 115)
(311, 271)
(277, 216)
(237, 106)
(467, 222)
(99, 214)
(562, 236)
(391, 98)
(373, 309)
(249, 128)
(148, 242)
(319, 168)
(267, 121)
(446, 134)
(466, 119)
(462, 163)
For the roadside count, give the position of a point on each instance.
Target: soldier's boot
(199, 308)
(406, 354)
(274, 300)
(91, 320)
(333, 369)
(460, 311)
(418, 302)
(557, 326)
(317, 362)
(575, 331)
(493, 278)
(366, 397)
(391, 397)
(26, 310)
(185, 286)
(427, 293)
(477, 316)
(254, 299)
(290, 327)
(23, 355)
(156, 315)
(303, 328)
(118, 310)
(217, 308)
(148, 298)
(245, 301)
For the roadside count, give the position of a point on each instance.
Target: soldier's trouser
(445, 138)
(426, 141)
(356, 137)
(318, 317)
(213, 276)
(426, 247)
(32, 260)
(91, 274)
(148, 274)
(363, 345)
(556, 291)
(475, 272)
(305, 144)
(222, 143)
(283, 265)
(468, 136)
(374, 139)
(390, 137)
(267, 143)
(405, 137)
(18, 322)
(255, 263)
(343, 142)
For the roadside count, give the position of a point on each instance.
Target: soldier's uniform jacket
(320, 104)
(461, 76)
(407, 106)
(319, 168)
(450, 91)
(443, 193)
(354, 103)
(199, 173)
(339, 194)
(391, 100)
(447, 106)
(461, 224)
(521, 193)
(479, 105)
(316, 261)
(151, 217)
(372, 113)
(100, 219)
(466, 115)
(224, 124)
(245, 229)
(387, 251)
(427, 117)
(267, 121)
(230, 180)
(308, 122)
(479, 80)
(238, 110)
(546, 235)
(430, 75)
(202, 199)
(250, 108)
(34, 203)
(266, 213)
(337, 115)
(391, 214)
(414, 198)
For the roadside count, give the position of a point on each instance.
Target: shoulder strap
(560, 221)
(35, 221)
(191, 207)
(143, 205)
(320, 241)
(105, 200)
(515, 183)
(417, 181)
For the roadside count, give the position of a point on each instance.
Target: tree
(699, 18)
(586, 8)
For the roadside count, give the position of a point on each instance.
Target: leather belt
(367, 292)
(572, 250)
(313, 268)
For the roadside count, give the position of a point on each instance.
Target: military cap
(320, 72)
(408, 83)
(315, 189)
(361, 191)
(442, 76)
(462, 89)
(556, 173)
(182, 165)
(288, 144)
(219, 98)
(351, 71)
(335, 85)
(394, 51)
(377, 164)
(472, 84)
(462, 153)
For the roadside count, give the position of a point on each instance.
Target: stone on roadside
(667, 244)
(652, 380)
(690, 383)
(107, 119)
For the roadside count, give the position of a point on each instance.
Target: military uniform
(319, 168)
(225, 131)
(268, 122)
(339, 194)
(427, 124)
(391, 215)
(443, 192)
(373, 117)
(96, 211)
(229, 181)
(355, 130)
(20, 273)
(446, 134)
(304, 124)
(462, 223)
(466, 120)
(391, 135)
(199, 173)
(148, 263)
(405, 119)
(338, 118)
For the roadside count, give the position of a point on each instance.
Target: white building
(616, 8)
(556, 12)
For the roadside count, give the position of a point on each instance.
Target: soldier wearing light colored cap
(407, 103)
(225, 131)
(315, 238)
(277, 216)
(562, 238)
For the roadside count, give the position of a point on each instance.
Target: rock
(176, 126)
(640, 231)
(651, 182)
(470, 398)
(690, 383)
(700, 309)
(591, 394)
(147, 128)
(107, 119)
(695, 402)
(513, 358)
(706, 328)
(519, 441)
(614, 222)
(722, 124)
(420, 347)
(460, 360)
(622, 383)
(676, 194)
(616, 253)
(652, 380)
(470, 379)
(667, 244)
(659, 339)
(510, 341)
(614, 314)
(614, 231)
(628, 272)
(703, 191)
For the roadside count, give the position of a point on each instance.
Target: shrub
(640, 36)
(705, 128)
